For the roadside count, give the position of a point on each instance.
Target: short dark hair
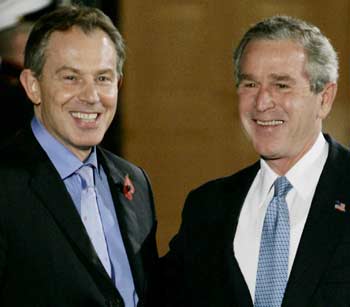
(322, 60)
(64, 18)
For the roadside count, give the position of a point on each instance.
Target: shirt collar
(267, 178)
(302, 175)
(305, 173)
(65, 162)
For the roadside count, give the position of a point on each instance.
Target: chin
(88, 142)
(267, 147)
(266, 154)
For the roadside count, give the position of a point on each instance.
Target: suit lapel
(47, 185)
(126, 209)
(322, 231)
(241, 294)
(130, 223)
(50, 189)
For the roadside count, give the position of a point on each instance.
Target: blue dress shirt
(66, 163)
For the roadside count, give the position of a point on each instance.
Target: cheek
(55, 95)
(244, 111)
(246, 124)
(65, 93)
(110, 99)
(62, 96)
(246, 101)
(307, 111)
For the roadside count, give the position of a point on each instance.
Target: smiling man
(276, 233)
(77, 225)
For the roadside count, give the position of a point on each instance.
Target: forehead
(273, 55)
(76, 45)
(270, 58)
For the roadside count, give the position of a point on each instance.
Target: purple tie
(91, 217)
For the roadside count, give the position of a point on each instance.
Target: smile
(270, 122)
(85, 116)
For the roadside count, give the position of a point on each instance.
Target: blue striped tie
(272, 273)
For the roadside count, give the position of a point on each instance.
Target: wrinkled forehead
(263, 41)
(277, 58)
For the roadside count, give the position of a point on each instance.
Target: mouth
(269, 123)
(86, 117)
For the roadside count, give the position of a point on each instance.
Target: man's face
(278, 111)
(78, 88)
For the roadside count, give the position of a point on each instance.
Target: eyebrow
(78, 71)
(287, 78)
(246, 77)
(273, 76)
(62, 68)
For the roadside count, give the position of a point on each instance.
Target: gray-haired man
(276, 233)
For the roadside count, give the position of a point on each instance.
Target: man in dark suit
(77, 223)
(276, 233)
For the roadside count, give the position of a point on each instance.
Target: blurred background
(177, 114)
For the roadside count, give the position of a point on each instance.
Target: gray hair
(322, 60)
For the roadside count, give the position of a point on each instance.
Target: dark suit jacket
(201, 269)
(46, 258)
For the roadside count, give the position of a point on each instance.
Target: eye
(104, 78)
(282, 86)
(70, 77)
(248, 84)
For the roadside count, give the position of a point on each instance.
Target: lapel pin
(128, 188)
(340, 206)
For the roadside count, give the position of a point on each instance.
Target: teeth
(270, 122)
(84, 116)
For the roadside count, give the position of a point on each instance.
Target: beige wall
(178, 105)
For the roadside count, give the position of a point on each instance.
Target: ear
(31, 86)
(120, 82)
(327, 96)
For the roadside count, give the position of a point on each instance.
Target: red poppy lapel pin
(128, 188)
(340, 206)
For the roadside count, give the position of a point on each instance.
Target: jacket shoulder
(336, 150)
(219, 195)
(20, 151)
(236, 180)
(118, 164)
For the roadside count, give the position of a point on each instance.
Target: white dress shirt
(303, 176)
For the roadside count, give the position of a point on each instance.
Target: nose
(89, 92)
(264, 100)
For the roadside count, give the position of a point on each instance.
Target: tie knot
(87, 176)
(282, 186)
